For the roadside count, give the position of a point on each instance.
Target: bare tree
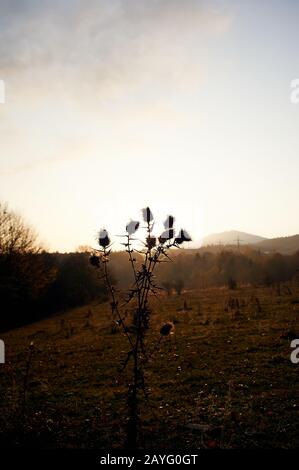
(15, 235)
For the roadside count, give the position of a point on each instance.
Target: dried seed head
(169, 222)
(151, 242)
(166, 235)
(132, 226)
(94, 261)
(147, 215)
(104, 239)
(183, 237)
(167, 328)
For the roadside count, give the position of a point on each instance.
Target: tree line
(205, 268)
(35, 283)
(228, 268)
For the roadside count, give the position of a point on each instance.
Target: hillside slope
(229, 374)
(232, 237)
(283, 245)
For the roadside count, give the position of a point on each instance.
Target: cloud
(110, 45)
(91, 71)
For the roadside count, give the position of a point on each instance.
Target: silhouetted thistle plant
(153, 250)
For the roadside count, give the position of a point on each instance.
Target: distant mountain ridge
(232, 237)
(283, 245)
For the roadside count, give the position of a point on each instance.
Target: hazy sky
(183, 105)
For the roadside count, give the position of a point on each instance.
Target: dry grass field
(224, 379)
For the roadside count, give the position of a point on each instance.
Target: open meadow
(223, 379)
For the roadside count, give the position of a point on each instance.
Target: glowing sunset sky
(183, 105)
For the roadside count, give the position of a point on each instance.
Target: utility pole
(238, 242)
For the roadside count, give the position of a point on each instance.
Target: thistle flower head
(169, 222)
(183, 237)
(147, 215)
(166, 235)
(132, 226)
(104, 239)
(94, 261)
(167, 328)
(151, 242)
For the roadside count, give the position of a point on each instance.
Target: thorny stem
(152, 264)
(133, 389)
(137, 372)
(134, 272)
(132, 260)
(115, 304)
(147, 269)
